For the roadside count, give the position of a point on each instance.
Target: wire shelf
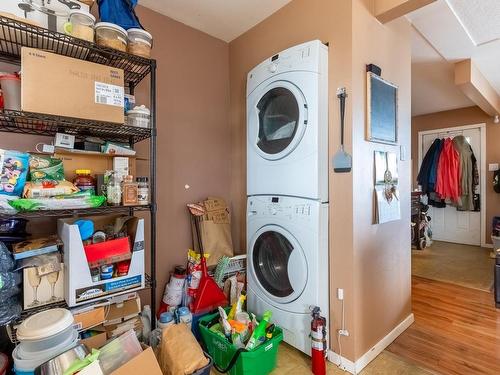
(49, 125)
(104, 210)
(15, 34)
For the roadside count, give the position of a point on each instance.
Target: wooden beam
(388, 10)
(476, 87)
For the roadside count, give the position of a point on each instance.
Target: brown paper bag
(215, 230)
(180, 353)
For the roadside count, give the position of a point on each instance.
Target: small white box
(80, 288)
(121, 167)
(64, 140)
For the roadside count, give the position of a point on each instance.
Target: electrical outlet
(340, 294)
(343, 332)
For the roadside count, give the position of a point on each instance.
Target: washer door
(278, 264)
(277, 120)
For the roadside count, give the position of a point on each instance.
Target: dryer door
(278, 264)
(277, 119)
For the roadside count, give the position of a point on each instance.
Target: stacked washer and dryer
(287, 187)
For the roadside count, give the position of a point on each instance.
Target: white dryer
(287, 250)
(287, 124)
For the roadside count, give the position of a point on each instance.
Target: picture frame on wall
(382, 110)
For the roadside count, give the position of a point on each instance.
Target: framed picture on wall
(382, 110)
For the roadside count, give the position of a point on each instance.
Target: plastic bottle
(185, 316)
(237, 307)
(84, 181)
(114, 191)
(259, 334)
(142, 191)
(166, 319)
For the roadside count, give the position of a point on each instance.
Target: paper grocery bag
(180, 353)
(215, 230)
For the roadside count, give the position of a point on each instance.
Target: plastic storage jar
(139, 116)
(11, 90)
(80, 25)
(140, 42)
(110, 35)
(84, 181)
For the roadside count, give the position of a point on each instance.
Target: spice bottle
(130, 190)
(114, 191)
(142, 190)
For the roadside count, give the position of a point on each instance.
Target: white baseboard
(356, 367)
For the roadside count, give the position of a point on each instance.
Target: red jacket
(448, 175)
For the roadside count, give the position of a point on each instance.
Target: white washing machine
(287, 124)
(287, 245)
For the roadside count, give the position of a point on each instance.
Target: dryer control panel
(282, 207)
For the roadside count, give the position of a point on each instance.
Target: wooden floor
(456, 330)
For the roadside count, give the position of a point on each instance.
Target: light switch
(493, 167)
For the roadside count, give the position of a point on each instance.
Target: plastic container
(46, 329)
(81, 25)
(111, 36)
(84, 181)
(119, 351)
(11, 90)
(140, 42)
(260, 361)
(139, 117)
(184, 316)
(166, 319)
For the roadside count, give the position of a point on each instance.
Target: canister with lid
(140, 42)
(110, 35)
(80, 25)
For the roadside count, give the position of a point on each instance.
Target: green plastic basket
(260, 361)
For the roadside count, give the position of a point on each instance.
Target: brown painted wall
(459, 117)
(375, 276)
(382, 259)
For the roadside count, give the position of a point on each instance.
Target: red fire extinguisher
(318, 342)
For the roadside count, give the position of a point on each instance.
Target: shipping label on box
(40, 290)
(79, 89)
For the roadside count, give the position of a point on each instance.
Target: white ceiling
(444, 32)
(223, 19)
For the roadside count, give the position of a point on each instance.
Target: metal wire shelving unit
(13, 36)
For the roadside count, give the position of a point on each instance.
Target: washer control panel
(275, 206)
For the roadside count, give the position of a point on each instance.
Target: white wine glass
(34, 280)
(52, 279)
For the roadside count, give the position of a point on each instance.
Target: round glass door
(279, 264)
(280, 115)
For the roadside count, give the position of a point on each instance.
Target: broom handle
(341, 94)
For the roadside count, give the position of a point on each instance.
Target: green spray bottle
(259, 334)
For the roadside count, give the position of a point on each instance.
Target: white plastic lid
(141, 32)
(83, 13)
(139, 110)
(45, 324)
(109, 25)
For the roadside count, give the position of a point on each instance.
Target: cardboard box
(40, 290)
(78, 88)
(80, 288)
(144, 363)
(97, 341)
(85, 319)
(119, 329)
(53, 22)
(120, 312)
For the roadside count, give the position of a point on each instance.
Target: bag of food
(48, 189)
(14, 172)
(44, 168)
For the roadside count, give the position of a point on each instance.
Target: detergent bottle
(259, 334)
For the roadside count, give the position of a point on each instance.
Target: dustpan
(208, 296)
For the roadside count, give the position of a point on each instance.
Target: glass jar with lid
(110, 35)
(80, 25)
(84, 180)
(140, 42)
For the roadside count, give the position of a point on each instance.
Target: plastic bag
(10, 310)
(14, 172)
(46, 169)
(48, 189)
(65, 202)
(6, 259)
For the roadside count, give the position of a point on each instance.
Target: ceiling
(223, 19)
(445, 32)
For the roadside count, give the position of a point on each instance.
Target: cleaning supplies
(259, 334)
(224, 322)
(237, 307)
(342, 161)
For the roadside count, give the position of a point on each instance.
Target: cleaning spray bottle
(236, 308)
(259, 334)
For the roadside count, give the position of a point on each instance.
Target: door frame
(482, 167)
